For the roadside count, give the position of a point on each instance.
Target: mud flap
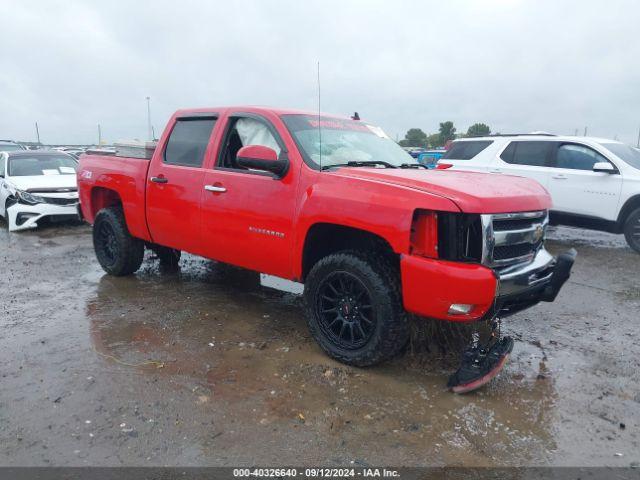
(480, 365)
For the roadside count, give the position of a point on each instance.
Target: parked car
(35, 185)
(594, 182)
(430, 157)
(346, 217)
(10, 146)
(73, 151)
(415, 152)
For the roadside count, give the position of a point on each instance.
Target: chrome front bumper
(540, 280)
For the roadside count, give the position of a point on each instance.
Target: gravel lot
(204, 367)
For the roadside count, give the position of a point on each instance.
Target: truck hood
(472, 192)
(44, 182)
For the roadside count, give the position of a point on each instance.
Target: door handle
(495, 170)
(559, 177)
(159, 180)
(215, 188)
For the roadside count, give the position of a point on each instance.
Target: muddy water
(201, 366)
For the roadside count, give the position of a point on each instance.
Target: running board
(281, 284)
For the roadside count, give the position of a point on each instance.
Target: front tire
(632, 230)
(118, 252)
(354, 308)
(7, 204)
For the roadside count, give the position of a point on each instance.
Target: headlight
(28, 198)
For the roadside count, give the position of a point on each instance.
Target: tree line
(416, 137)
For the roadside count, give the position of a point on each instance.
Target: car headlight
(28, 198)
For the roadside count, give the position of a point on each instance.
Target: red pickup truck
(329, 206)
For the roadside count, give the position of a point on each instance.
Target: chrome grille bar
(505, 245)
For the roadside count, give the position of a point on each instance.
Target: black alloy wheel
(118, 252)
(353, 306)
(107, 242)
(345, 311)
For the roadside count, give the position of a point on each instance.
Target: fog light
(460, 309)
(24, 216)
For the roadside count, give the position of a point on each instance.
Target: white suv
(594, 183)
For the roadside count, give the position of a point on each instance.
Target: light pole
(149, 131)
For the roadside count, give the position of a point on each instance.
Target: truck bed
(102, 173)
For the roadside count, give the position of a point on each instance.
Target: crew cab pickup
(333, 208)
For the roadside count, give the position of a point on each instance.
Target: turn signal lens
(424, 234)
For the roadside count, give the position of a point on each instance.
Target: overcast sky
(516, 65)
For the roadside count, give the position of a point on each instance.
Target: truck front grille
(60, 201)
(506, 252)
(512, 238)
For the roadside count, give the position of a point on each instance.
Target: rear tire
(169, 257)
(118, 252)
(354, 308)
(632, 230)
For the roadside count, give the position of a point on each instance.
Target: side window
(2, 163)
(466, 150)
(242, 132)
(577, 157)
(507, 153)
(188, 141)
(527, 153)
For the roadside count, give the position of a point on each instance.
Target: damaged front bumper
(431, 287)
(23, 217)
(540, 281)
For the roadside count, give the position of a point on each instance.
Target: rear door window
(577, 157)
(466, 150)
(534, 154)
(188, 141)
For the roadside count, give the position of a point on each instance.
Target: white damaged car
(35, 185)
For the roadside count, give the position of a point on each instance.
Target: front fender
(376, 207)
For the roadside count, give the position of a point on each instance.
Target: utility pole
(575, 134)
(37, 132)
(585, 132)
(638, 144)
(149, 130)
(99, 135)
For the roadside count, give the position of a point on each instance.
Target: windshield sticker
(378, 131)
(338, 125)
(50, 172)
(67, 170)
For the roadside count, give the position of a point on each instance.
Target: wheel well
(629, 206)
(103, 197)
(326, 238)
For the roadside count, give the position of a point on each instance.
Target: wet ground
(203, 367)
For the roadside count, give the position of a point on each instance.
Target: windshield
(629, 154)
(343, 141)
(10, 147)
(26, 166)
